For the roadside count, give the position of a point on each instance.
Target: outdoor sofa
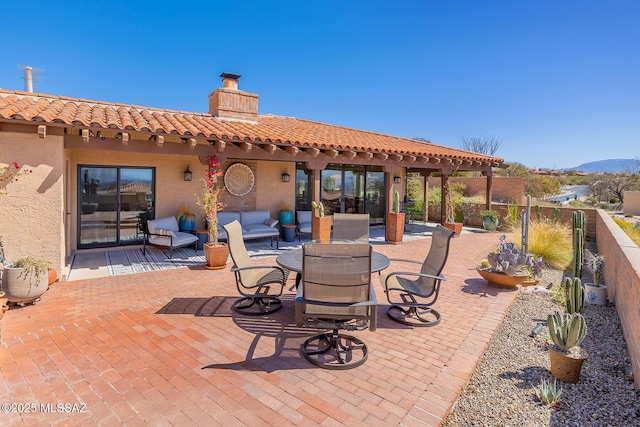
(255, 225)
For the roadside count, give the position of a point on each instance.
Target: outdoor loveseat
(255, 225)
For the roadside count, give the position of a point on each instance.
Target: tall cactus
(578, 226)
(566, 330)
(526, 216)
(573, 294)
(396, 201)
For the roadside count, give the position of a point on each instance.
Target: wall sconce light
(397, 179)
(188, 175)
(285, 175)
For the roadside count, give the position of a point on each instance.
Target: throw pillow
(271, 222)
(164, 232)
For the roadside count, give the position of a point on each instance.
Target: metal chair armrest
(412, 273)
(256, 267)
(411, 261)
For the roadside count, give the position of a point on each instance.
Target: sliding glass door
(111, 202)
(345, 188)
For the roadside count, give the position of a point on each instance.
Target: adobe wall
(503, 189)
(32, 214)
(622, 278)
(631, 203)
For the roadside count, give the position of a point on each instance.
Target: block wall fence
(622, 277)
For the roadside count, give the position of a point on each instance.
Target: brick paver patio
(159, 349)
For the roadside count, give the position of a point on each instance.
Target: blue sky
(557, 81)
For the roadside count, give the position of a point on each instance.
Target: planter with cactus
(596, 292)
(567, 330)
(394, 227)
(320, 224)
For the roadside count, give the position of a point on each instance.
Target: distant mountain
(610, 166)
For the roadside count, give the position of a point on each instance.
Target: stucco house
(97, 165)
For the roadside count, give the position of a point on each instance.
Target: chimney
(229, 102)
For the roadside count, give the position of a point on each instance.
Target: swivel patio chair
(411, 294)
(353, 227)
(259, 285)
(336, 293)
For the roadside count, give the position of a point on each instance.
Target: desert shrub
(551, 241)
(629, 229)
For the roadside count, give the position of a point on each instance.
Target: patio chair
(259, 285)
(411, 294)
(165, 232)
(354, 227)
(303, 220)
(336, 293)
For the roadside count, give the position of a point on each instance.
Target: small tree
(487, 145)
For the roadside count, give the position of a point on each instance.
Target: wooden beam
(409, 158)
(124, 137)
(365, 155)
(192, 143)
(395, 157)
(245, 146)
(85, 135)
(381, 156)
(42, 131)
(218, 145)
(350, 154)
(312, 151)
(269, 148)
(423, 159)
(159, 141)
(331, 153)
(292, 150)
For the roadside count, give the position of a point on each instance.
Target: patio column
(489, 195)
(444, 180)
(316, 168)
(425, 196)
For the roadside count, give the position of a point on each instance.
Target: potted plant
(596, 292)
(394, 228)
(453, 219)
(286, 215)
(489, 219)
(566, 330)
(25, 280)
(320, 224)
(186, 219)
(509, 266)
(216, 253)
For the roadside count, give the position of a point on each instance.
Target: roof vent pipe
(28, 78)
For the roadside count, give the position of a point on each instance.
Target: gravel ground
(501, 389)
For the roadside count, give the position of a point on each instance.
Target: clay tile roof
(25, 106)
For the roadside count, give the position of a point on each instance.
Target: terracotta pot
(394, 227)
(321, 228)
(216, 256)
(455, 226)
(564, 367)
(53, 276)
(22, 289)
(500, 279)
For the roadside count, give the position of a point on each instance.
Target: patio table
(292, 260)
